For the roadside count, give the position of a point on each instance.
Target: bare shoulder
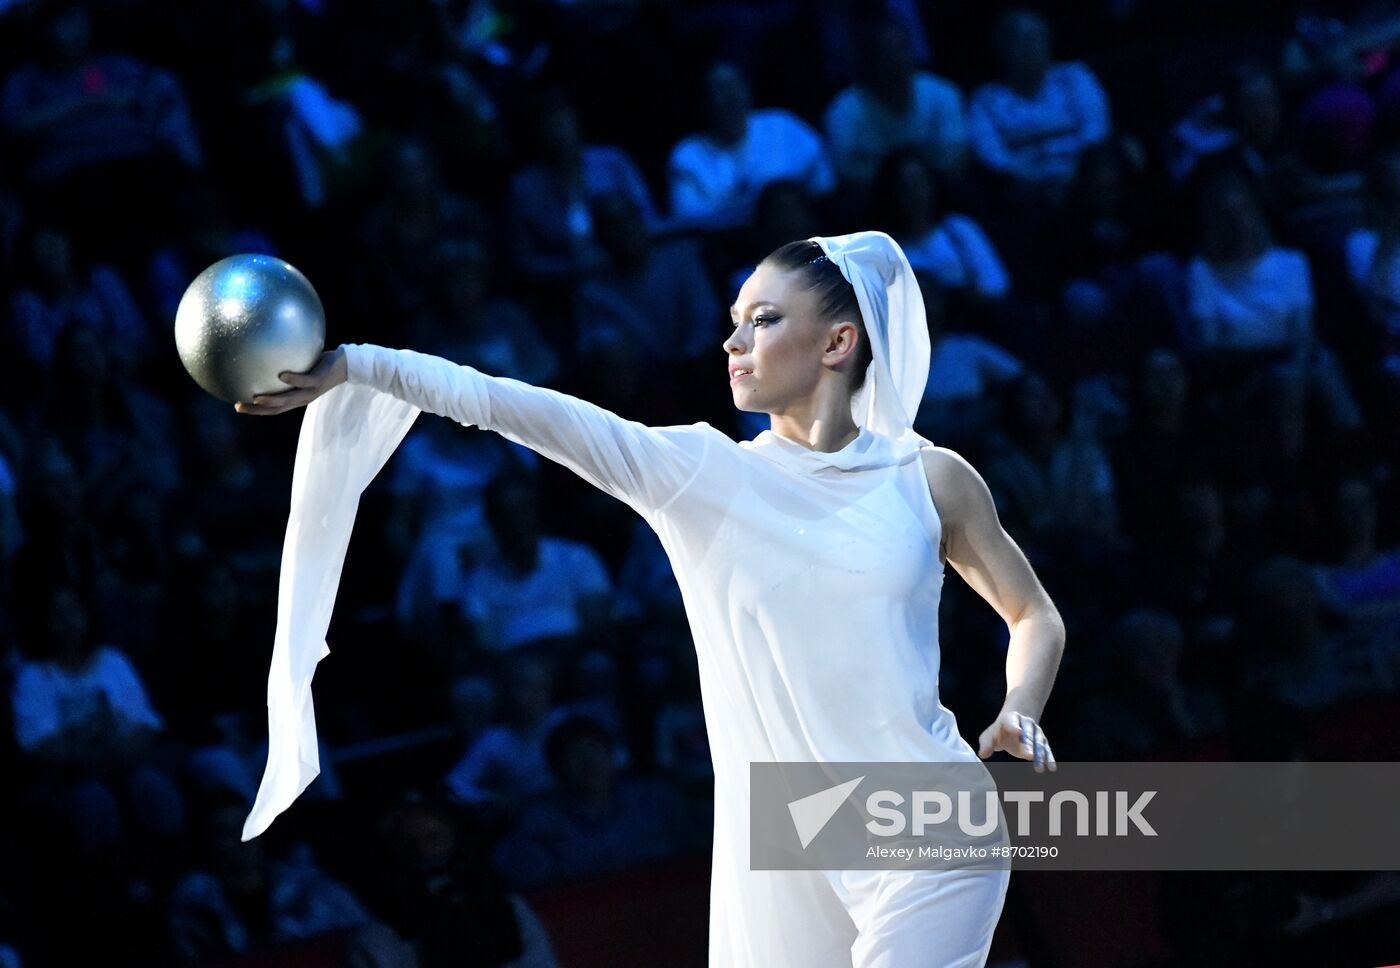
(975, 543)
(952, 481)
(940, 462)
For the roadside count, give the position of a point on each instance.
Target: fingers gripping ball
(244, 320)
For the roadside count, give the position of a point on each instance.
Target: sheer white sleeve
(346, 437)
(646, 467)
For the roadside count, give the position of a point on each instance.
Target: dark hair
(836, 299)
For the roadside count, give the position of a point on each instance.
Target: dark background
(1217, 526)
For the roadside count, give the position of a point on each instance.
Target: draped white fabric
(893, 310)
(346, 437)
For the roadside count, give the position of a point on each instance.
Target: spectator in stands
(320, 138)
(222, 473)
(1032, 124)
(437, 81)
(652, 303)
(403, 234)
(1283, 460)
(82, 714)
(1105, 212)
(506, 763)
(550, 218)
(785, 210)
(1340, 41)
(1148, 708)
(1360, 584)
(1288, 662)
(716, 175)
(75, 109)
(120, 431)
(62, 542)
(1110, 253)
(1167, 440)
(1194, 568)
(1048, 483)
(949, 246)
(539, 587)
(1249, 299)
(1321, 188)
(597, 820)
(1242, 128)
(439, 479)
(472, 701)
(240, 901)
(893, 104)
(1373, 263)
(965, 372)
(595, 690)
(1245, 293)
(442, 896)
(60, 292)
(468, 322)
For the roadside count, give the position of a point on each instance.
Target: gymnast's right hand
(330, 371)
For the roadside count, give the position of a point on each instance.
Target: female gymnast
(810, 560)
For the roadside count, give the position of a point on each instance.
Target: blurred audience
(950, 247)
(83, 716)
(716, 175)
(966, 371)
(505, 763)
(239, 900)
(444, 901)
(892, 104)
(653, 304)
(1151, 709)
(550, 208)
(1165, 335)
(538, 587)
(598, 819)
(1031, 125)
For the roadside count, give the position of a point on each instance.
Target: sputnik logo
(811, 813)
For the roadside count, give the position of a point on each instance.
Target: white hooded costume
(811, 582)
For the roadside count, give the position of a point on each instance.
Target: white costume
(811, 581)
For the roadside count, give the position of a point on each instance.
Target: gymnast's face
(779, 340)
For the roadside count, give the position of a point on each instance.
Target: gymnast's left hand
(330, 371)
(1019, 735)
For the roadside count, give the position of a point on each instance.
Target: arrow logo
(811, 813)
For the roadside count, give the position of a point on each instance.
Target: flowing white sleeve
(349, 433)
(346, 437)
(646, 467)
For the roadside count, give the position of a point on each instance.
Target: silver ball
(244, 320)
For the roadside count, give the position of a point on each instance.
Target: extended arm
(346, 439)
(987, 558)
(643, 466)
